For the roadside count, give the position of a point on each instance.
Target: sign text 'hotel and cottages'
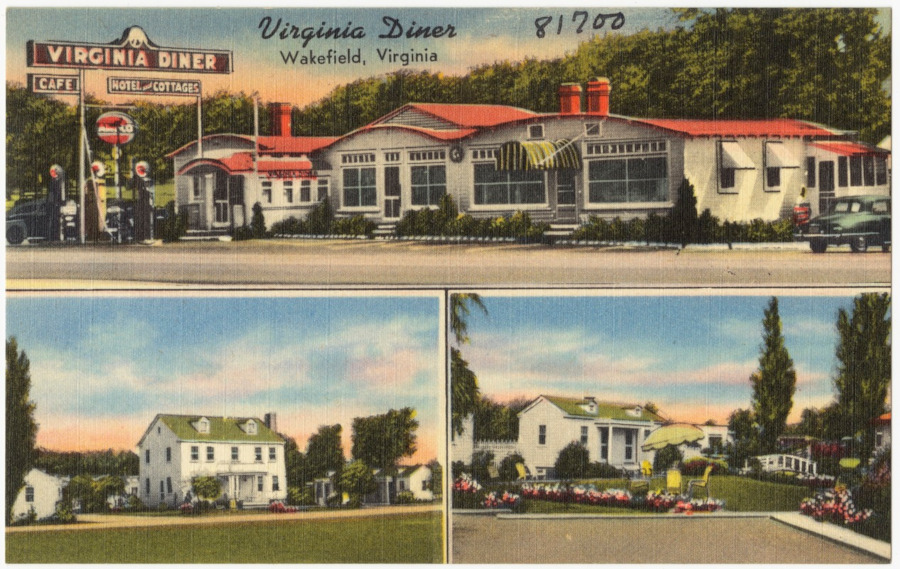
(133, 51)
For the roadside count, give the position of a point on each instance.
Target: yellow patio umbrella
(675, 434)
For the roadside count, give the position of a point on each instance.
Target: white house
(245, 454)
(715, 437)
(413, 479)
(41, 493)
(561, 167)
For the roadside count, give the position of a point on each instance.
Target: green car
(860, 221)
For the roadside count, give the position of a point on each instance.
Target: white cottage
(493, 160)
(41, 493)
(245, 454)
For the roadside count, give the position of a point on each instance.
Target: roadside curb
(835, 533)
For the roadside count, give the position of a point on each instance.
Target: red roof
(760, 127)
(293, 144)
(284, 165)
(471, 116)
(845, 148)
(455, 134)
(237, 162)
(883, 420)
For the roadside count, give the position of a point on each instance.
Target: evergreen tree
(774, 382)
(864, 367)
(21, 430)
(258, 222)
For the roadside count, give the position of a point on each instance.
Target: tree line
(830, 66)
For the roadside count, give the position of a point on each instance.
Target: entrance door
(392, 192)
(826, 186)
(220, 201)
(565, 195)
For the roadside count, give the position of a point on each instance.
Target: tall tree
(746, 443)
(864, 367)
(21, 430)
(464, 391)
(774, 382)
(357, 481)
(325, 451)
(382, 440)
(460, 309)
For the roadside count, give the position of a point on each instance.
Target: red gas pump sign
(116, 128)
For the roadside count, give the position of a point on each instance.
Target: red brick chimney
(569, 99)
(280, 119)
(598, 97)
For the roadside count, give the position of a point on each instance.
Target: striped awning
(539, 155)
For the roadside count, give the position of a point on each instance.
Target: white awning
(733, 156)
(777, 156)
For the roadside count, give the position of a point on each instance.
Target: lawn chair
(493, 472)
(700, 483)
(642, 483)
(523, 471)
(673, 481)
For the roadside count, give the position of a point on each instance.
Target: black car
(860, 221)
(28, 219)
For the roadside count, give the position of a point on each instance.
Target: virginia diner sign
(133, 51)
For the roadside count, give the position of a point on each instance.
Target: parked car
(28, 219)
(860, 221)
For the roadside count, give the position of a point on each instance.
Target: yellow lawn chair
(523, 472)
(493, 472)
(700, 483)
(673, 481)
(642, 484)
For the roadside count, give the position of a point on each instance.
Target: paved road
(111, 521)
(485, 539)
(283, 263)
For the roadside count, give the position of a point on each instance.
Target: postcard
(392, 284)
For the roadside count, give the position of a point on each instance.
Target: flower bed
(691, 506)
(505, 500)
(466, 483)
(588, 494)
(280, 508)
(834, 506)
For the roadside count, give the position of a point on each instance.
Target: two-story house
(245, 454)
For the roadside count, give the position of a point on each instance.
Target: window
(715, 443)
(250, 427)
(727, 177)
(842, 171)
(629, 445)
(288, 191)
(592, 129)
(881, 207)
(169, 484)
(305, 193)
(773, 177)
(535, 131)
(259, 483)
(810, 172)
(542, 434)
(604, 444)
(391, 156)
(147, 456)
(485, 153)
(628, 180)
(147, 486)
(359, 187)
(401, 485)
(275, 486)
(168, 454)
(880, 170)
(424, 486)
(257, 454)
(422, 155)
(500, 187)
(203, 425)
(195, 453)
(267, 191)
(323, 189)
(584, 436)
(234, 454)
(868, 166)
(429, 184)
(29, 494)
(271, 453)
(210, 453)
(361, 158)
(856, 171)
(162, 491)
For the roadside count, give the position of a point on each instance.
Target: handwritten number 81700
(580, 20)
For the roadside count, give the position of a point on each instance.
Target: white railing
(781, 462)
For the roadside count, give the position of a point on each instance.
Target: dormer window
(250, 427)
(636, 412)
(535, 131)
(202, 425)
(589, 405)
(592, 129)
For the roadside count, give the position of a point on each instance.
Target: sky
(482, 36)
(103, 367)
(690, 355)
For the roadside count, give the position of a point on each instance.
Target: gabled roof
(744, 127)
(605, 410)
(454, 115)
(443, 134)
(848, 148)
(221, 429)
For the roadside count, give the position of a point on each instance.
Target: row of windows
(536, 131)
(360, 158)
(423, 155)
(626, 148)
(615, 180)
(304, 195)
(629, 447)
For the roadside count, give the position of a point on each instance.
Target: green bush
(697, 466)
(469, 500)
(573, 462)
(258, 222)
(666, 458)
(174, 226)
(136, 504)
(300, 496)
(603, 470)
(405, 497)
(507, 468)
(480, 462)
(357, 225)
(64, 513)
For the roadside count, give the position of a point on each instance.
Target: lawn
(416, 538)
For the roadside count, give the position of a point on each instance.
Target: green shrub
(258, 222)
(405, 497)
(480, 462)
(507, 468)
(242, 233)
(64, 513)
(603, 470)
(320, 218)
(300, 496)
(136, 504)
(666, 458)
(573, 462)
(174, 226)
(356, 225)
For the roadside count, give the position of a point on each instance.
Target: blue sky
(691, 355)
(482, 36)
(103, 367)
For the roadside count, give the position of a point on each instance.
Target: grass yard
(415, 538)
